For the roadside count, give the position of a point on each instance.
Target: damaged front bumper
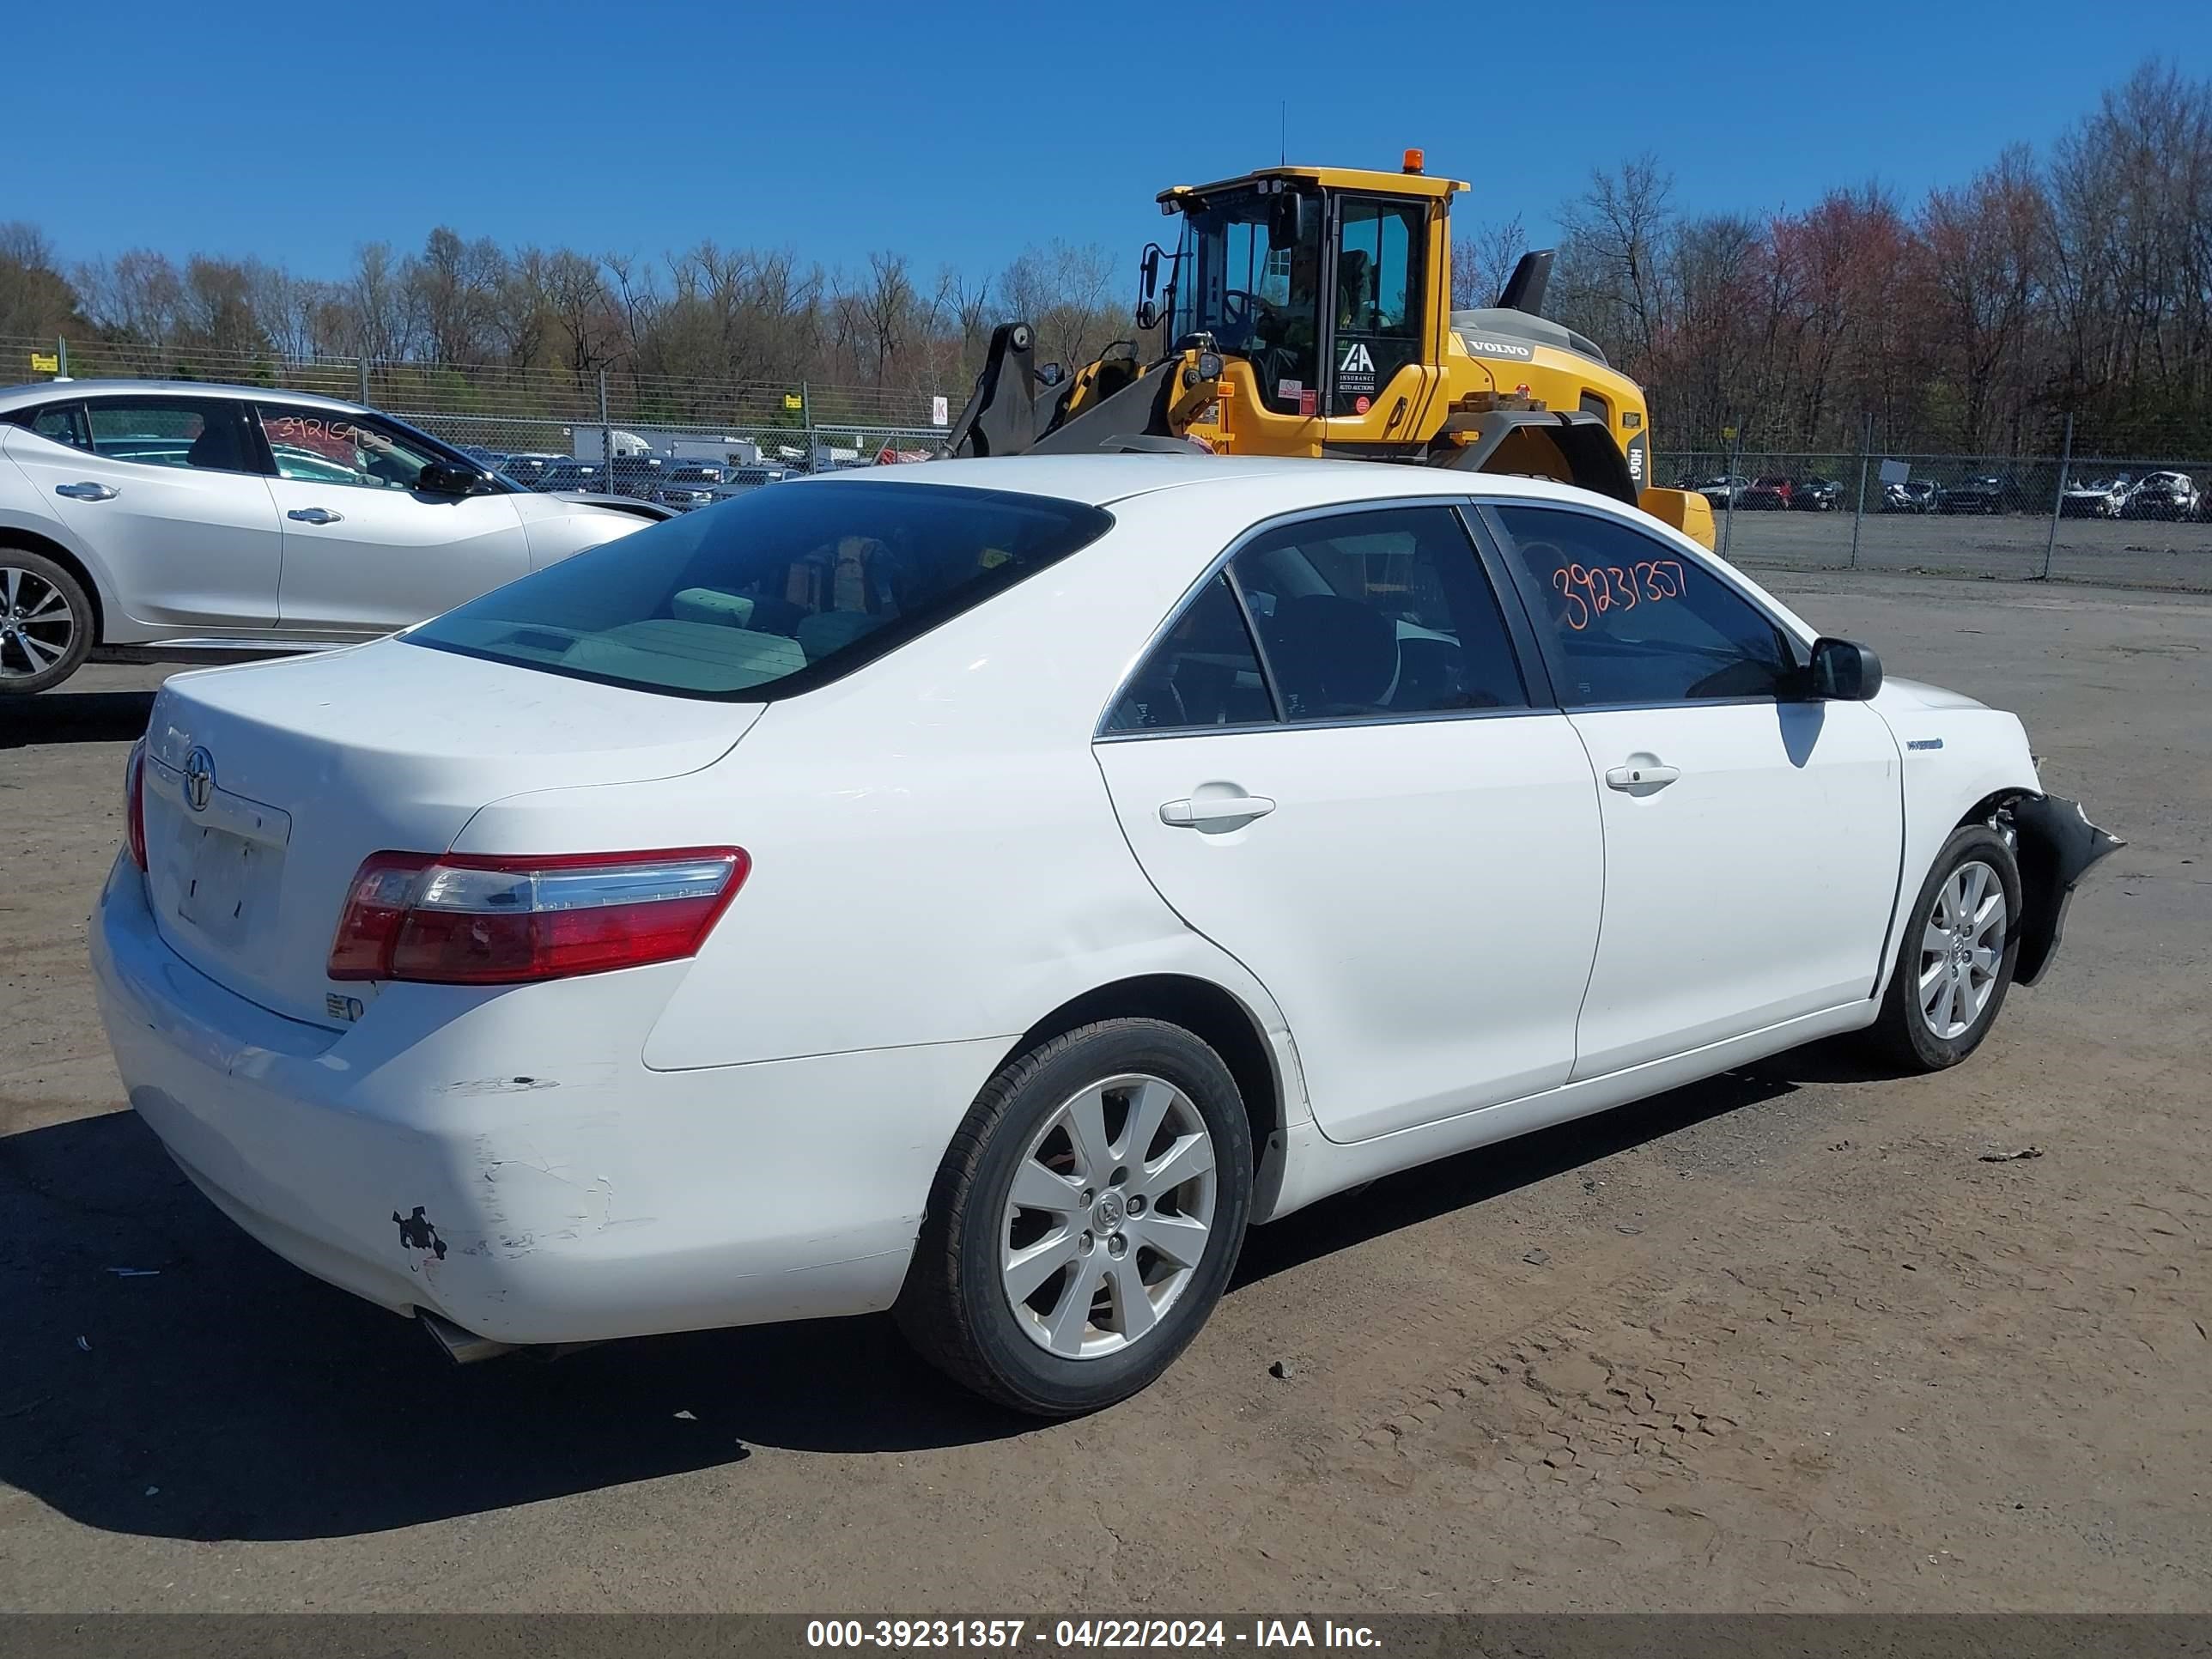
(2057, 847)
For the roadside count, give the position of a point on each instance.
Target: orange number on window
(1577, 615)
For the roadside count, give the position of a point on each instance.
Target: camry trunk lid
(265, 787)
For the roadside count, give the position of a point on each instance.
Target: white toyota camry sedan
(982, 890)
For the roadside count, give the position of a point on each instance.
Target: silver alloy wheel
(1961, 950)
(37, 626)
(1108, 1217)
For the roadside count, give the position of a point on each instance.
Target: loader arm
(1005, 415)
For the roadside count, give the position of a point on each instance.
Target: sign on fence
(1895, 473)
(940, 412)
(49, 363)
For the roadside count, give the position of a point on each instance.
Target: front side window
(771, 593)
(1378, 614)
(1378, 298)
(207, 434)
(1631, 620)
(334, 446)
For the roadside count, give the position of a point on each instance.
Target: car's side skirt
(1314, 1167)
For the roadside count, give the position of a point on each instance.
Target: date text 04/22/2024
(1086, 1634)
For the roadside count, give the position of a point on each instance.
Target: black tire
(1902, 1031)
(956, 1309)
(18, 676)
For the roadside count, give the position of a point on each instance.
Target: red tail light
(134, 795)
(465, 920)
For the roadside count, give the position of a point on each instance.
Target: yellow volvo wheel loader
(1307, 312)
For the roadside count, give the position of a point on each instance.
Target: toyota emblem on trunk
(199, 779)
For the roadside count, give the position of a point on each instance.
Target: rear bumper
(508, 1162)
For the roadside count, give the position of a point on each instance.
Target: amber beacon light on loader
(1307, 312)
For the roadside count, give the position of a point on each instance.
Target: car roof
(42, 391)
(1102, 480)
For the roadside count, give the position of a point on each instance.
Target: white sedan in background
(981, 889)
(186, 520)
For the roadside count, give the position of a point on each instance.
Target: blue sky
(959, 133)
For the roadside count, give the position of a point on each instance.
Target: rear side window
(1378, 614)
(772, 593)
(203, 434)
(1204, 673)
(62, 422)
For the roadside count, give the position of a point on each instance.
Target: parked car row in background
(2163, 495)
(2168, 495)
(1771, 494)
(678, 482)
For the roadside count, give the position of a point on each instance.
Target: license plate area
(223, 879)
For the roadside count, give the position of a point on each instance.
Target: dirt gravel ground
(1787, 1339)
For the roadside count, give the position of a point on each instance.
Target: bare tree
(887, 303)
(35, 298)
(136, 296)
(1614, 259)
(382, 314)
(1981, 249)
(1483, 262)
(1066, 292)
(454, 285)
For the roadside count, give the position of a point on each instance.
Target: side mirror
(1843, 670)
(1148, 283)
(445, 478)
(1291, 220)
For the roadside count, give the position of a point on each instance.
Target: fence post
(362, 361)
(606, 437)
(1727, 487)
(806, 423)
(61, 357)
(1858, 515)
(2059, 498)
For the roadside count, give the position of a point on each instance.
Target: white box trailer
(590, 444)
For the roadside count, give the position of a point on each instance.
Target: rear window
(770, 594)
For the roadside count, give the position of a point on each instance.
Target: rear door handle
(314, 515)
(1642, 775)
(1214, 809)
(88, 491)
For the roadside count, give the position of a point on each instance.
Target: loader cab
(1319, 278)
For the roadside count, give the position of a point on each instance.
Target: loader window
(1379, 298)
(1254, 285)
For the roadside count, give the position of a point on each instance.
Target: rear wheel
(45, 622)
(1955, 963)
(1086, 1219)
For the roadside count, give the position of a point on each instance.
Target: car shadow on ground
(164, 1375)
(74, 717)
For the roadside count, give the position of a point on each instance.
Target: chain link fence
(2137, 520)
(2141, 520)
